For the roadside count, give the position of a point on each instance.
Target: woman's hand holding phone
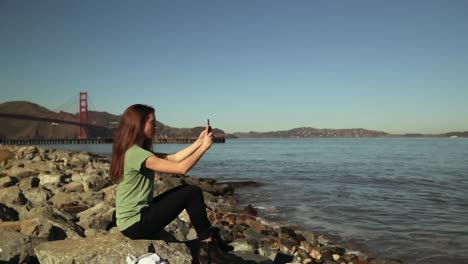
(208, 125)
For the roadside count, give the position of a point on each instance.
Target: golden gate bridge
(83, 125)
(83, 117)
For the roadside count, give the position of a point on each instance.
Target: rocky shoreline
(57, 206)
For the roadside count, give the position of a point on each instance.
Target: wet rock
(251, 234)
(244, 244)
(300, 256)
(267, 252)
(240, 184)
(210, 186)
(250, 210)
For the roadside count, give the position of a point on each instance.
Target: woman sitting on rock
(139, 215)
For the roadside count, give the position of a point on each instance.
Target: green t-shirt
(135, 190)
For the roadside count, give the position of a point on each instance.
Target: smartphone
(208, 125)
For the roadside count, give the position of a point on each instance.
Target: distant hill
(27, 129)
(309, 132)
(456, 134)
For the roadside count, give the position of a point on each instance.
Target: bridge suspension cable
(93, 107)
(70, 102)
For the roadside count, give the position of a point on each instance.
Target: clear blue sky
(394, 66)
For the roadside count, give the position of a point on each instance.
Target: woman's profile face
(150, 126)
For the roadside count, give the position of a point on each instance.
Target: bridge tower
(84, 115)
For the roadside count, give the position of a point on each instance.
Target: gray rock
(52, 157)
(92, 198)
(77, 163)
(77, 177)
(28, 156)
(95, 182)
(97, 217)
(179, 229)
(55, 224)
(10, 196)
(300, 256)
(95, 232)
(73, 187)
(246, 245)
(111, 249)
(83, 156)
(61, 199)
(21, 172)
(310, 237)
(49, 178)
(38, 196)
(28, 183)
(253, 235)
(16, 247)
(38, 158)
(268, 252)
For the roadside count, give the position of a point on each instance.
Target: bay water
(400, 198)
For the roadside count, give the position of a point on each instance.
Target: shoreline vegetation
(57, 206)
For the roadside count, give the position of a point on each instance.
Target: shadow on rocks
(194, 246)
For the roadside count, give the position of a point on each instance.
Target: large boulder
(16, 247)
(108, 249)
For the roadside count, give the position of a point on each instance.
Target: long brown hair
(129, 132)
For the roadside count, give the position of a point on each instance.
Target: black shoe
(223, 245)
(210, 253)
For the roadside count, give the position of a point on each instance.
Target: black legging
(166, 207)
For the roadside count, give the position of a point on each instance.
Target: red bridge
(83, 117)
(83, 127)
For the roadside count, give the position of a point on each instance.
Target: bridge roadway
(69, 141)
(46, 119)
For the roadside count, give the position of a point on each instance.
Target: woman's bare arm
(184, 153)
(158, 163)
